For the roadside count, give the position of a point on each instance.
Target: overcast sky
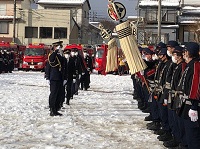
(100, 7)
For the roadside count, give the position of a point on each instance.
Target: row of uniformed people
(6, 61)
(169, 90)
(65, 71)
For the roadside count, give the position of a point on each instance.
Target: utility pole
(14, 21)
(159, 21)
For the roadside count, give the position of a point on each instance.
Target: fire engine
(18, 52)
(35, 56)
(100, 58)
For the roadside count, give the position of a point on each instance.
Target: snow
(104, 117)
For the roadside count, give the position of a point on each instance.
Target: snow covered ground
(104, 117)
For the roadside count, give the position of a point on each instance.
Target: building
(53, 20)
(147, 27)
(189, 21)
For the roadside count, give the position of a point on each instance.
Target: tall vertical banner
(130, 48)
(111, 64)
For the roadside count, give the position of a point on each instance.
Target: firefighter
(54, 75)
(189, 95)
(80, 68)
(85, 78)
(1, 61)
(69, 74)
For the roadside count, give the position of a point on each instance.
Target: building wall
(44, 18)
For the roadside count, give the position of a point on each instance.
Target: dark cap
(140, 49)
(161, 45)
(192, 48)
(85, 50)
(57, 43)
(172, 43)
(163, 51)
(67, 51)
(74, 49)
(148, 51)
(178, 49)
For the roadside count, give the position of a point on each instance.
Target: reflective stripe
(190, 103)
(167, 85)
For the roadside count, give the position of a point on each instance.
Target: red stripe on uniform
(151, 72)
(194, 92)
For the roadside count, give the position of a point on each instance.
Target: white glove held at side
(193, 115)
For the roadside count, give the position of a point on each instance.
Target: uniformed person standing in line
(1, 61)
(69, 72)
(189, 95)
(85, 78)
(53, 73)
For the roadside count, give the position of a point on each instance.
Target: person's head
(67, 53)
(171, 46)
(177, 54)
(74, 52)
(191, 50)
(148, 54)
(163, 54)
(85, 52)
(159, 47)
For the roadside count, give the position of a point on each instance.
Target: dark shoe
(147, 110)
(148, 118)
(67, 102)
(150, 124)
(171, 143)
(155, 126)
(143, 108)
(165, 137)
(159, 132)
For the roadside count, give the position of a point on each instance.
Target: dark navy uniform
(53, 72)
(189, 94)
(85, 78)
(69, 73)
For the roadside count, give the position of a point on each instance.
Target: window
(3, 9)
(31, 32)
(45, 32)
(189, 36)
(4, 27)
(85, 14)
(60, 32)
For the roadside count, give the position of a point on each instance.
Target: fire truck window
(34, 52)
(99, 53)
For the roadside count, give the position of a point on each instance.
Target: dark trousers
(192, 131)
(85, 80)
(173, 124)
(154, 109)
(181, 128)
(69, 90)
(56, 97)
(163, 110)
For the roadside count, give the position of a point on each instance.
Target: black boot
(159, 132)
(52, 112)
(148, 118)
(165, 137)
(155, 126)
(67, 102)
(171, 143)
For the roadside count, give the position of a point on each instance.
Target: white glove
(165, 102)
(83, 73)
(79, 76)
(74, 80)
(64, 82)
(193, 115)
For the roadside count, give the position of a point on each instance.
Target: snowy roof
(61, 1)
(95, 24)
(191, 2)
(155, 3)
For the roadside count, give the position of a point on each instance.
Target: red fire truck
(18, 52)
(35, 56)
(100, 58)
